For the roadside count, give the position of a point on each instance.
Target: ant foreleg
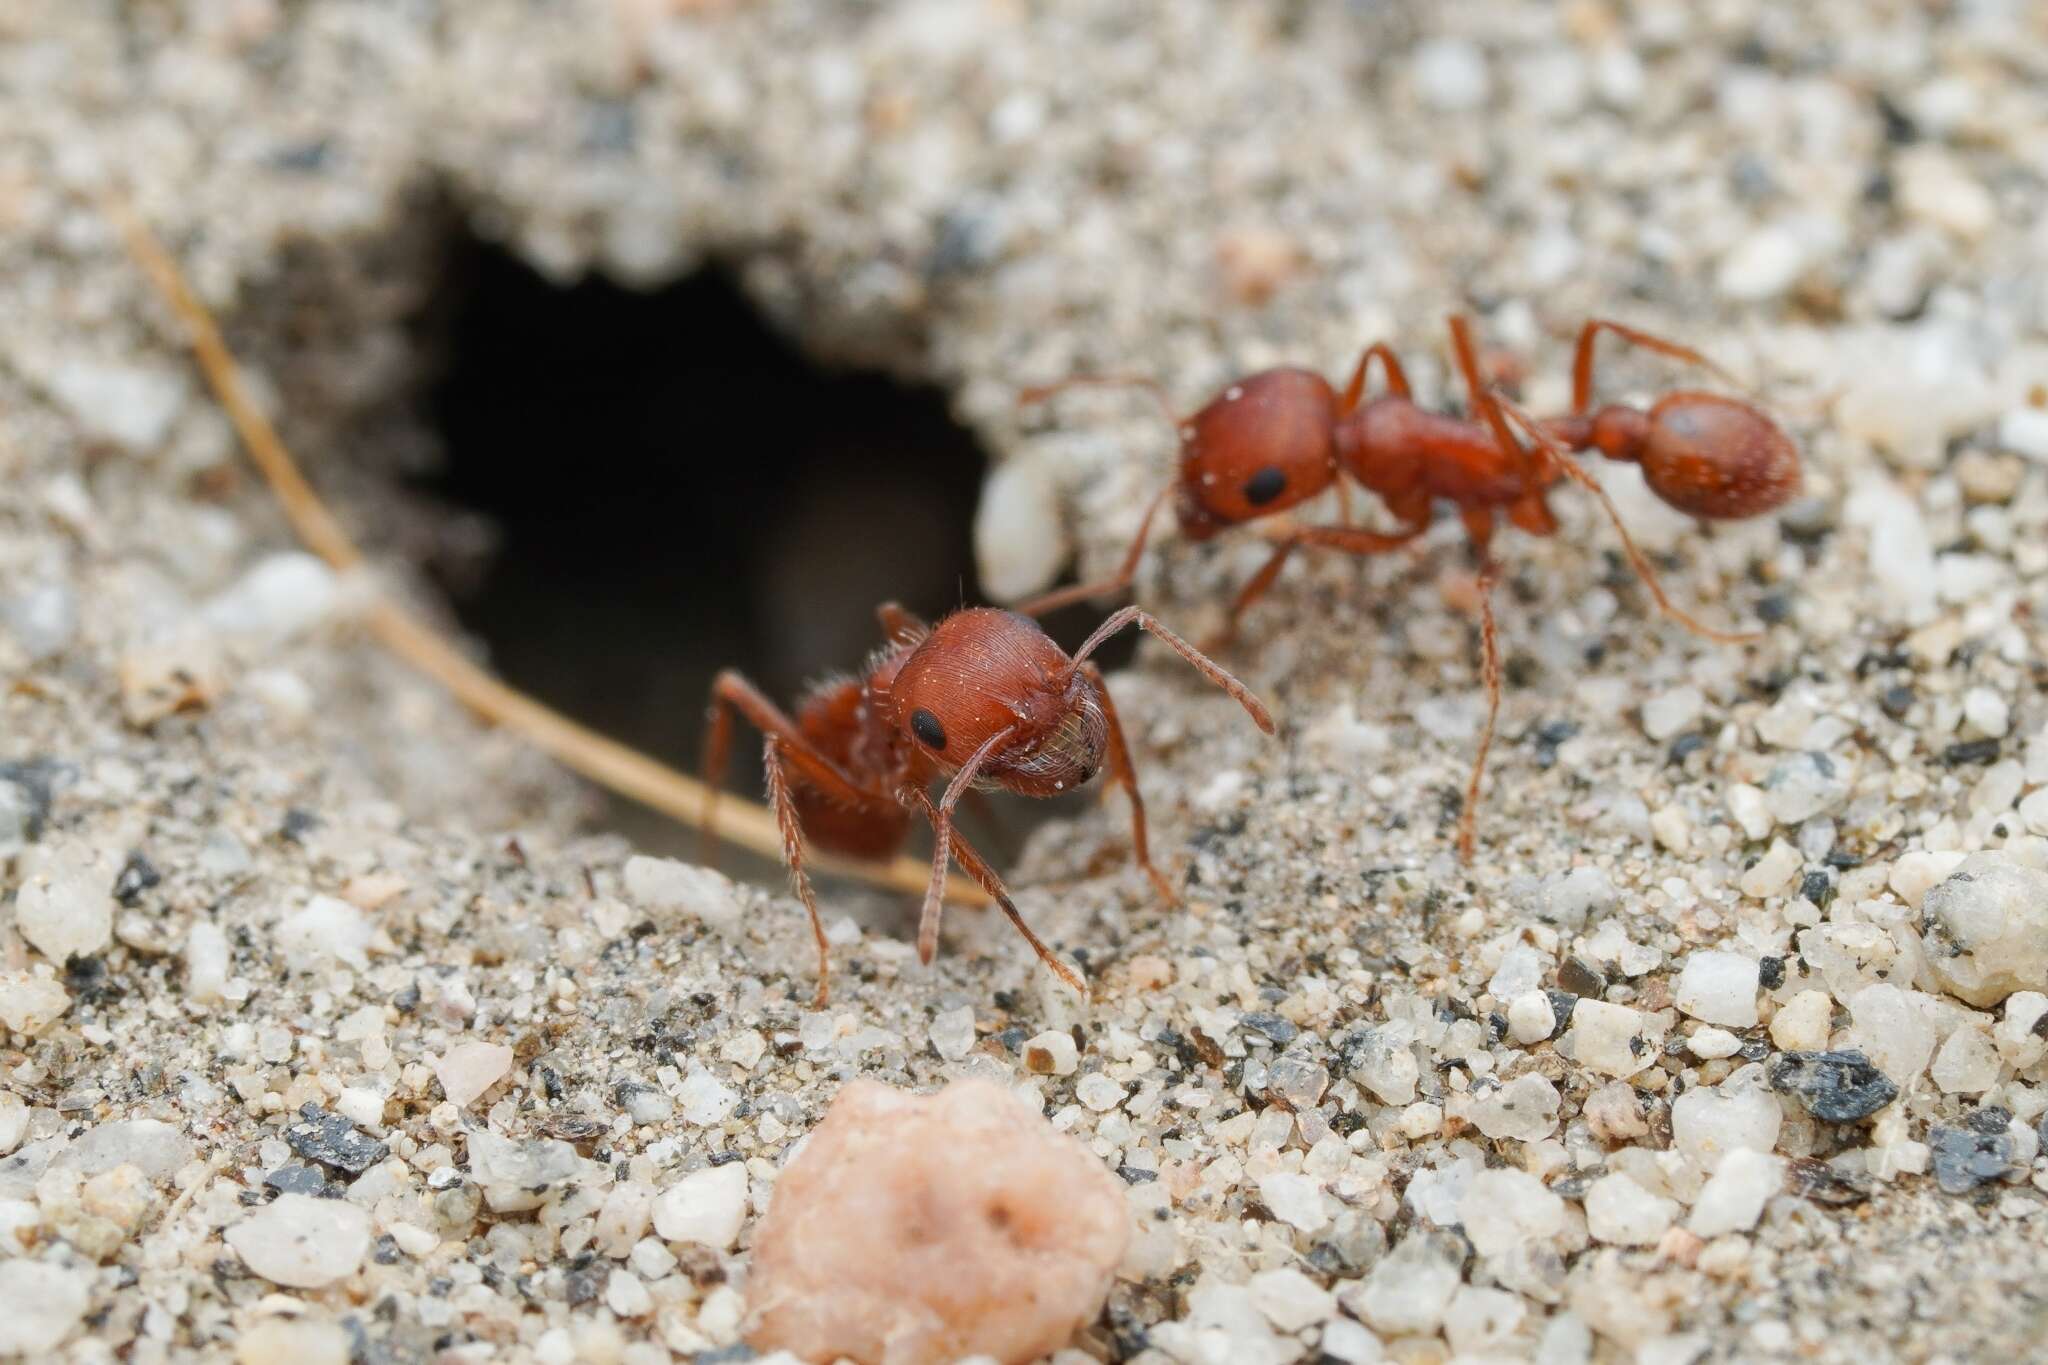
(784, 806)
(1489, 650)
(1582, 357)
(1116, 582)
(942, 841)
(1636, 558)
(1202, 663)
(1123, 774)
(975, 866)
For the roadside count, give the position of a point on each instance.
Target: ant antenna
(1202, 663)
(1570, 468)
(1039, 393)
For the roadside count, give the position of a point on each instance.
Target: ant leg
(1123, 774)
(1489, 644)
(1582, 356)
(977, 867)
(1397, 378)
(899, 625)
(1482, 402)
(942, 841)
(784, 806)
(1202, 663)
(1116, 582)
(1349, 539)
(1636, 557)
(731, 692)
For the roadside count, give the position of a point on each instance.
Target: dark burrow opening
(669, 488)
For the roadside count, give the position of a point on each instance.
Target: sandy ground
(316, 880)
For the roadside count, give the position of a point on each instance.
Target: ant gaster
(983, 698)
(1277, 438)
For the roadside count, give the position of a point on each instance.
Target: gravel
(1327, 1142)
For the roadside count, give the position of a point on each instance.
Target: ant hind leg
(1489, 645)
(1582, 356)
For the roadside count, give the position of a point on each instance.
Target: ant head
(1711, 456)
(983, 672)
(1263, 444)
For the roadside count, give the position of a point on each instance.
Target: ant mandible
(1277, 438)
(985, 698)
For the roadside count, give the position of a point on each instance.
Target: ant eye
(926, 727)
(1264, 486)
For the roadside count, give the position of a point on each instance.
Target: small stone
(1480, 1322)
(30, 1003)
(1290, 1300)
(1623, 1213)
(1296, 1200)
(327, 931)
(1835, 1087)
(1504, 1209)
(1719, 987)
(1963, 1159)
(706, 1100)
(1020, 531)
(1615, 1040)
(1740, 1114)
(1052, 1053)
(1383, 1061)
(1614, 1113)
(1280, 1030)
(1968, 1062)
(467, 1070)
(513, 1177)
(132, 406)
(163, 679)
(64, 906)
(1579, 895)
(302, 1242)
(40, 1304)
(1672, 712)
(1749, 809)
(206, 962)
(1420, 1120)
(1409, 1289)
(1451, 75)
(282, 597)
(1525, 1109)
(2024, 431)
(1531, 1018)
(705, 1207)
(645, 1104)
(1734, 1196)
(1672, 828)
(665, 890)
(1762, 265)
(1803, 785)
(1894, 1029)
(890, 1183)
(1986, 929)
(333, 1141)
(13, 1121)
(292, 1341)
(296, 1177)
(1919, 871)
(1772, 873)
(626, 1296)
(1297, 1081)
(152, 1146)
(1986, 712)
(1099, 1092)
(952, 1033)
(1712, 1044)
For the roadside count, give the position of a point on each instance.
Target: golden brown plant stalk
(604, 761)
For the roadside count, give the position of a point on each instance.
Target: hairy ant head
(1705, 454)
(985, 675)
(1262, 445)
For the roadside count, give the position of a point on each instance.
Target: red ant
(1280, 437)
(985, 696)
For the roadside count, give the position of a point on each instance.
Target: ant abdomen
(1264, 444)
(1717, 457)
